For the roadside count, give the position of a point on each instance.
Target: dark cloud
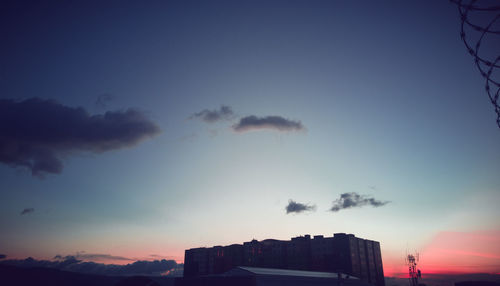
(269, 122)
(294, 207)
(352, 200)
(37, 133)
(27, 211)
(157, 256)
(95, 257)
(3, 256)
(211, 116)
(71, 263)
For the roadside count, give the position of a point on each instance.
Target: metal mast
(414, 273)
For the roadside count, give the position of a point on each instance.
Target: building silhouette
(342, 253)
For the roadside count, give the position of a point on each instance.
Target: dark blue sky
(375, 98)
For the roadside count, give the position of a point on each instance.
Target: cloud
(157, 256)
(294, 207)
(352, 200)
(211, 116)
(37, 133)
(27, 211)
(71, 263)
(3, 256)
(94, 257)
(269, 122)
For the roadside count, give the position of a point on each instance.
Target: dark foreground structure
(342, 253)
(253, 276)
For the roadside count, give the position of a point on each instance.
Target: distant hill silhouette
(74, 264)
(12, 275)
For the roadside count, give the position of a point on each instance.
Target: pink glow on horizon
(394, 267)
(452, 253)
(462, 252)
(447, 253)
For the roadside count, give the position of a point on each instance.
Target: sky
(137, 129)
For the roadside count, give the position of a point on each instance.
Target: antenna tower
(414, 273)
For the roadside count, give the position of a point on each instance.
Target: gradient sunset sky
(221, 112)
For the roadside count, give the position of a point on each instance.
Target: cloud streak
(277, 123)
(295, 207)
(353, 200)
(37, 133)
(210, 116)
(27, 211)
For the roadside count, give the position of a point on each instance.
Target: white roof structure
(243, 270)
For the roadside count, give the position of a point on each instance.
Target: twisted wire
(486, 67)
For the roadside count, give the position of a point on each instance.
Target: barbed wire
(487, 67)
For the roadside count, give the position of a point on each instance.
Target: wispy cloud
(27, 211)
(210, 116)
(277, 123)
(37, 133)
(352, 200)
(295, 207)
